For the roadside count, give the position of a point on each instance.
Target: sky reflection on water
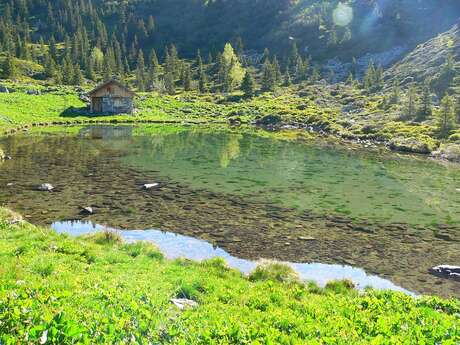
(179, 246)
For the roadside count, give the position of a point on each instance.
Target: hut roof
(110, 82)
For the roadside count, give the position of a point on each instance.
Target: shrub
(276, 271)
(44, 269)
(106, 237)
(142, 247)
(340, 286)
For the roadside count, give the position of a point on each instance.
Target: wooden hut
(112, 97)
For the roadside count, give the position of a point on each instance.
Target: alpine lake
(245, 194)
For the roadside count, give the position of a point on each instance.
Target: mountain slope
(425, 63)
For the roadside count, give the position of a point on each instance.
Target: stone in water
(45, 187)
(87, 210)
(150, 186)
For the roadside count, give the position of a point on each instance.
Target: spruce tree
(446, 117)
(140, 72)
(248, 86)
(315, 75)
(268, 77)
(410, 110)
(9, 68)
(68, 71)
(457, 109)
(350, 79)
(287, 79)
(369, 77)
(170, 83)
(277, 69)
(426, 104)
(187, 78)
(50, 66)
(293, 54)
(203, 82)
(78, 76)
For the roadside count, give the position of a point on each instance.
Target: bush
(340, 286)
(44, 269)
(276, 271)
(106, 237)
(143, 248)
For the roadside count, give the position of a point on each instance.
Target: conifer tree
(78, 76)
(140, 72)
(369, 77)
(153, 59)
(248, 86)
(187, 78)
(457, 109)
(203, 82)
(277, 69)
(170, 83)
(426, 104)
(445, 116)
(287, 79)
(107, 69)
(410, 110)
(395, 94)
(268, 77)
(199, 61)
(9, 68)
(315, 75)
(239, 47)
(230, 69)
(293, 54)
(68, 71)
(266, 56)
(50, 66)
(350, 79)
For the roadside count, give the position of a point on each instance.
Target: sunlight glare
(343, 14)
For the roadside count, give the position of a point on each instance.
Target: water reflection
(178, 246)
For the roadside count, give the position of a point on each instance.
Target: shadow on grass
(76, 112)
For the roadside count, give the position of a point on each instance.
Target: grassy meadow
(55, 289)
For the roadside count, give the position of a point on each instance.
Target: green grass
(98, 289)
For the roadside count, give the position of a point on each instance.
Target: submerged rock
(45, 187)
(87, 210)
(148, 186)
(307, 238)
(446, 271)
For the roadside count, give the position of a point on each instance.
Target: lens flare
(343, 14)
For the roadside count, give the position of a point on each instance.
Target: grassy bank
(100, 290)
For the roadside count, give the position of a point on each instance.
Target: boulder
(183, 303)
(33, 92)
(45, 187)
(446, 271)
(4, 89)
